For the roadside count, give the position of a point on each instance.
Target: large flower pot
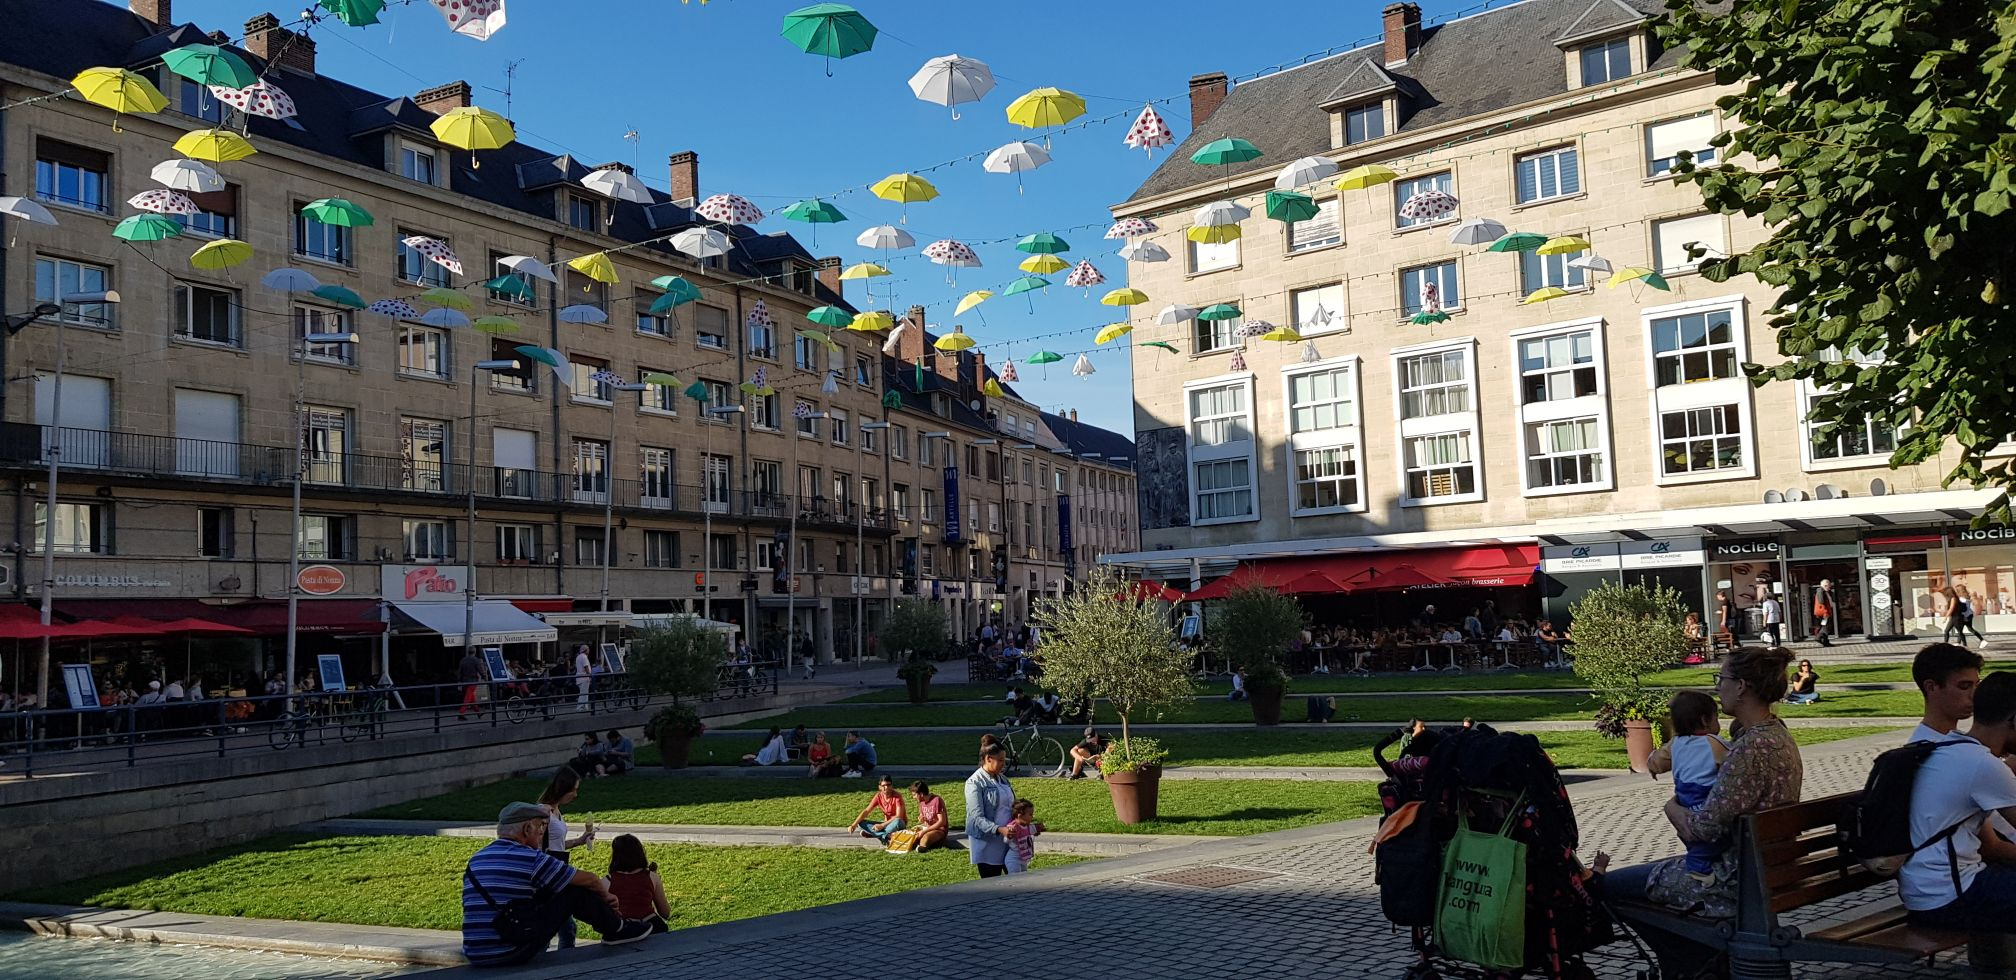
(1134, 793)
(1638, 743)
(1266, 704)
(674, 751)
(920, 688)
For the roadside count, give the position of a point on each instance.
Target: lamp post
(707, 505)
(609, 485)
(860, 584)
(469, 485)
(790, 558)
(301, 467)
(16, 324)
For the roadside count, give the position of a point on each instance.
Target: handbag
(902, 842)
(517, 921)
(1480, 915)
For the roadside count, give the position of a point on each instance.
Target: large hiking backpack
(1877, 828)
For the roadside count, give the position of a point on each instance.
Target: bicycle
(1027, 744)
(367, 719)
(292, 727)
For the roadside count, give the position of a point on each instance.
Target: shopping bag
(902, 842)
(1480, 915)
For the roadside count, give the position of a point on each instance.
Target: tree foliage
(681, 658)
(1100, 641)
(915, 628)
(1622, 633)
(1873, 139)
(1253, 627)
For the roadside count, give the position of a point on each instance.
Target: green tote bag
(1481, 913)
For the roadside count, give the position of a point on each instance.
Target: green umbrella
(1518, 241)
(1425, 318)
(813, 211)
(147, 228)
(209, 64)
(1025, 284)
(337, 211)
(339, 295)
(1219, 311)
(1290, 206)
(1229, 150)
(356, 13)
(677, 288)
(1042, 243)
(834, 30)
(830, 316)
(892, 399)
(697, 391)
(512, 285)
(1044, 357)
(1161, 345)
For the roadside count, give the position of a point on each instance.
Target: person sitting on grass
(796, 745)
(633, 879)
(513, 868)
(890, 804)
(588, 758)
(1804, 689)
(619, 754)
(772, 752)
(1238, 686)
(1086, 753)
(931, 826)
(859, 756)
(819, 758)
(1048, 706)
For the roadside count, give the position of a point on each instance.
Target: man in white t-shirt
(584, 677)
(1947, 884)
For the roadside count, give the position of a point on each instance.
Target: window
(1606, 62)
(1406, 190)
(808, 486)
(1316, 309)
(763, 339)
(191, 98)
(924, 441)
(417, 162)
(805, 353)
(425, 539)
(1364, 123)
(1671, 237)
(1326, 479)
(518, 544)
(1210, 335)
(592, 382)
(661, 549)
(214, 532)
(588, 546)
(80, 528)
(423, 351)
(315, 240)
(415, 267)
(217, 214)
(1438, 423)
(584, 213)
(927, 559)
(654, 476)
(841, 427)
(1224, 490)
(1537, 271)
(1563, 417)
(862, 375)
(1440, 466)
(1320, 400)
(899, 441)
(1434, 384)
(1558, 367)
(1701, 440)
(1209, 257)
(927, 505)
(423, 453)
(527, 298)
(722, 553)
(717, 475)
(206, 314)
(72, 175)
(328, 537)
(327, 441)
(1325, 229)
(710, 327)
(1548, 174)
(1221, 452)
(1563, 453)
(763, 411)
(523, 378)
(1700, 398)
(719, 393)
(56, 278)
(807, 425)
(1874, 437)
(867, 437)
(655, 324)
(316, 320)
(994, 517)
(662, 399)
(1430, 285)
(591, 469)
(899, 501)
(1694, 347)
(1665, 141)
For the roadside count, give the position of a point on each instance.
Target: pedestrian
(560, 791)
(470, 673)
(584, 677)
(990, 805)
(1021, 833)
(1823, 612)
(1967, 611)
(512, 871)
(1774, 620)
(1725, 615)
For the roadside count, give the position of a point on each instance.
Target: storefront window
(1981, 567)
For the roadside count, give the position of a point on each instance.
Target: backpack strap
(485, 892)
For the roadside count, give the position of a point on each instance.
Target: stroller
(1487, 779)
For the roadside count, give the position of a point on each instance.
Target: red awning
(268, 617)
(537, 606)
(1150, 590)
(1479, 566)
(188, 625)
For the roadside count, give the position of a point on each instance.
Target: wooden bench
(1789, 858)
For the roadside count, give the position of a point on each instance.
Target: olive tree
(1103, 641)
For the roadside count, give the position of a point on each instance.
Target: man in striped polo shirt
(513, 868)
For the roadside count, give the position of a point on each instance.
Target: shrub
(1253, 627)
(1622, 633)
(673, 721)
(1099, 641)
(1133, 755)
(916, 628)
(682, 658)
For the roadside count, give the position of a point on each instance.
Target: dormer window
(802, 279)
(1364, 123)
(583, 212)
(418, 162)
(1605, 61)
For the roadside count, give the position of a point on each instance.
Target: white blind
(1668, 138)
(1670, 238)
(1319, 308)
(87, 402)
(1318, 231)
(514, 449)
(206, 415)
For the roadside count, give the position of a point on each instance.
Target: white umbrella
(1175, 314)
(1220, 213)
(527, 265)
(26, 210)
(1304, 172)
(291, 280)
(442, 316)
(1144, 252)
(1013, 158)
(951, 80)
(190, 176)
(583, 314)
(1083, 368)
(701, 243)
(885, 237)
(1477, 231)
(163, 202)
(618, 185)
(1592, 263)
(436, 251)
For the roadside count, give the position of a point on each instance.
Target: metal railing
(70, 740)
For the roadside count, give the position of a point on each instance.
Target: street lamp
(16, 324)
(860, 584)
(791, 549)
(707, 504)
(469, 484)
(300, 467)
(609, 486)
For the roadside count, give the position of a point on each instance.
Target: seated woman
(820, 759)
(588, 758)
(772, 752)
(1804, 689)
(931, 825)
(633, 879)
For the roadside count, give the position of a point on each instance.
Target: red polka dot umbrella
(1130, 228)
(436, 250)
(475, 18)
(163, 202)
(261, 98)
(1429, 206)
(1149, 131)
(946, 251)
(729, 209)
(1085, 275)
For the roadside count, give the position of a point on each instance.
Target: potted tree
(1252, 627)
(681, 659)
(1622, 633)
(916, 630)
(1105, 642)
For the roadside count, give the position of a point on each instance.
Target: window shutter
(223, 202)
(1670, 137)
(1570, 171)
(1529, 179)
(57, 151)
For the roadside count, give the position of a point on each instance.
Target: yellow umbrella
(1124, 296)
(863, 270)
(472, 128)
(1543, 294)
(1111, 331)
(818, 337)
(1213, 234)
(872, 320)
(993, 389)
(1564, 245)
(221, 254)
(596, 266)
(1044, 264)
(119, 90)
(904, 189)
(1630, 273)
(214, 145)
(971, 300)
(1045, 107)
(956, 340)
(1283, 335)
(447, 297)
(1360, 178)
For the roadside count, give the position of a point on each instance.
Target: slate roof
(1466, 67)
(1081, 437)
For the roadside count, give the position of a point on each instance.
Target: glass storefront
(1748, 569)
(1981, 568)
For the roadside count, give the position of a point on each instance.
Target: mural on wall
(1164, 478)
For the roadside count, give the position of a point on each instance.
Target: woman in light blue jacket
(989, 805)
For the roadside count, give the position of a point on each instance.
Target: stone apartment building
(1509, 449)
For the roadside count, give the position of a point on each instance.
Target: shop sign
(422, 583)
(1974, 535)
(110, 582)
(321, 580)
(1878, 565)
(1665, 553)
(1579, 558)
(1749, 548)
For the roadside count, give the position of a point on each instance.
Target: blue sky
(770, 125)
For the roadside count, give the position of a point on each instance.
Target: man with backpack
(1959, 783)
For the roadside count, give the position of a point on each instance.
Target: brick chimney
(154, 12)
(829, 275)
(441, 98)
(685, 178)
(910, 347)
(1207, 93)
(947, 364)
(269, 42)
(1403, 32)
(1074, 415)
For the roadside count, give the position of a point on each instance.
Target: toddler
(1695, 756)
(1021, 833)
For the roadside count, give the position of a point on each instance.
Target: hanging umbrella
(495, 326)
(885, 237)
(1043, 265)
(670, 301)
(1238, 362)
(830, 30)
(1083, 368)
(1112, 331)
(830, 316)
(163, 202)
(820, 338)
(1310, 354)
(337, 211)
(1160, 345)
(1214, 234)
(871, 321)
(1517, 241)
(1220, 213)
(1225, 152)
(701, 243)
(904, 189)
(208, 64)
(221, 254)
(863, 270)
(1174, 313)
(147, 228)
(511, 286)
(596, 266)
(1044, 358)
(1290, 207)
(1255, 328)
(261, 98)
(1563, 245)
(396, 308)
(617, 184)
(339, 294)
(1045, 107)
(1008, 373)
(1638, 273)
(661, 379)
(1124, 296)
(119, 90)
(582, 313)
(473, 18)
(1144, 252)
(1367, 176)
(1428, 317)
(1591, 263)
(1477, 231)
(729, 209)
(1025, 284)
(813, 211)
(1543, 294)
(697, 391)
(189, 176)
(678, 292)
(436, 250)
(1304, 171)
(356, 13)
(957, 340)
(1283, 335)
(759, 385)
(473, 128)
(1130, 228)
(449, 298)
(993, 389)
(1149, 131)
(1014, 158)
(290, 280)
(214, 145)
(526, 265)
(971, 300)
(24, 209)
(563, 369)
(1085, 275)
(1042, 243)
(1429, 206)
(951, 80)
(759, 316)
(946, 251)
(1219, 311)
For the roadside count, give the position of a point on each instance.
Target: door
(206, 433)
(716, 479)
(1803, 579)
(1900, 593)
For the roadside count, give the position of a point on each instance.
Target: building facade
(1443, 412)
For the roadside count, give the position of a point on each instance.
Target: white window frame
(1195, 267)
(657, 476)
(1465, 422)
(1415, 297)
(1401, 223)
(1247, 449)
(1700, 394)
(599, 393)
(1543, 263)
(1687, 266)
(899, 441)
(1582, 60)
(1704, 155)
(1339, 321)
(1370, 110)
(1811, 394)
(1596, 404)
(1347, 434)
(443, 349)
(426, 539)
(1308, 235)
(1535, 157)
(1223, 336)
(75, 314)
(841, 425)
(418, 150)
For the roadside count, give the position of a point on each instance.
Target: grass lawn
(1187, 806)
(416, 881)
